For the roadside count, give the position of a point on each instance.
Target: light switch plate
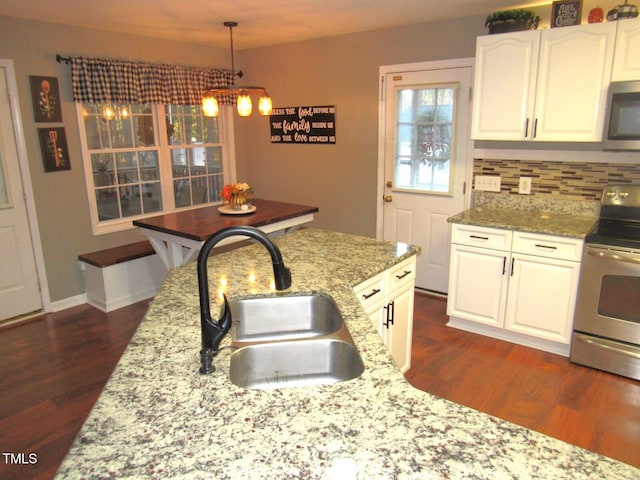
(524, 186)
(488, 183)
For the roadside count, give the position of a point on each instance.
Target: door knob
(389, 184)
(387, 198)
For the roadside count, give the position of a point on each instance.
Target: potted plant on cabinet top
(512, 21)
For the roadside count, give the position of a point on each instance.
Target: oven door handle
(619, 257)
(604, 346)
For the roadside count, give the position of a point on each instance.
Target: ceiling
(261, 22)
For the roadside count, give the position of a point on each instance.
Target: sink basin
(282, 318)
(295, 363)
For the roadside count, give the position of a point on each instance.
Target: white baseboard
(513, 337)
(68, 302)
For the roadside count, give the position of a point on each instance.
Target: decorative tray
(229, 210)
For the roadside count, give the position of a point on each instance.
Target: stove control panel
(621, 195)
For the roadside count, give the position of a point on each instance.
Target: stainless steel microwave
(622, 121)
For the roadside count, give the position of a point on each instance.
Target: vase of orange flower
(237, 194)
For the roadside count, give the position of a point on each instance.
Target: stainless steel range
(607, 319)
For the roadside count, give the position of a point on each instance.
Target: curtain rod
(61, 59)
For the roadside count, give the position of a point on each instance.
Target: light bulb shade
(244, 105)
(264, 105)
(108, 112)
(210, 107)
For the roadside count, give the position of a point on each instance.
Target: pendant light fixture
(210, 107)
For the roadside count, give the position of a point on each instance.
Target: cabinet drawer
(402, 274)
(371, 291)
(550, 246)
(493, 238)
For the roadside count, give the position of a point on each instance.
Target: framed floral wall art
(53, 144)
(45, 95)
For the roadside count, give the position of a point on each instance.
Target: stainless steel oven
(607, 317)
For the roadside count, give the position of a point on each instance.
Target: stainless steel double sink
(291, 341)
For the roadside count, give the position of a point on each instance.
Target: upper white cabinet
(504, 85)
(626, 61)
(547, 85)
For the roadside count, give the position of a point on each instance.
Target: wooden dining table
(177, 237)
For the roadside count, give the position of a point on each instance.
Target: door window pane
(424, 133)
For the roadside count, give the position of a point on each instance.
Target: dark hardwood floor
(53, 368)
(541, 391)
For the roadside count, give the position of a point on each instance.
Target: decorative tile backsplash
(580, 181)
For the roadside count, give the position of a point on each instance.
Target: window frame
(415, 125)
(163, 147)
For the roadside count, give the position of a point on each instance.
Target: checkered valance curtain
(100, 80)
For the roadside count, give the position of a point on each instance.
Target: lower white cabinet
(520, 287)
(388, 301)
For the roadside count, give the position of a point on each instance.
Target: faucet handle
(282, 277)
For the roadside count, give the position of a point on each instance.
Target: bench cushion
(115, 255)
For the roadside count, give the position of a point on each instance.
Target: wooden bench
(119, 276)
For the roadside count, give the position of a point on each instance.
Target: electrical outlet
(525, 185)
(489, 183)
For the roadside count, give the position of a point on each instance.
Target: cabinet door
(377, 315)
(398, 336)
(573, 76)
(626, 59)
(477, 284)
(504, 85)
(541, 299)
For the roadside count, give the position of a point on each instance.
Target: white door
(427, 159)
(19, 290)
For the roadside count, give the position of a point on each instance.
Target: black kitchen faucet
(214, 331)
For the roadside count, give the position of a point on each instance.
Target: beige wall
(343, 71)
(61, 197)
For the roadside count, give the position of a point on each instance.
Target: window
(134, 168)
(424, 138)
(196, 156)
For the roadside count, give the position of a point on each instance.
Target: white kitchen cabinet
(547, 85)
(542, 296)
(522, 292)
(504, 85)
(626, 60)
(388, 301)
(477, 284)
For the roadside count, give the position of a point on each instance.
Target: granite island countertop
(158, 418)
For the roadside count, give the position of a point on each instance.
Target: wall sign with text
(566, 12)
(303, 124)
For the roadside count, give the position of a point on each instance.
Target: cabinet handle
(373, 292)
(390, 308)
(535, 128)
(504, 265)
(478, 237)
(406, 272)
(526, 128)
(512, 262)
(550, 247)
